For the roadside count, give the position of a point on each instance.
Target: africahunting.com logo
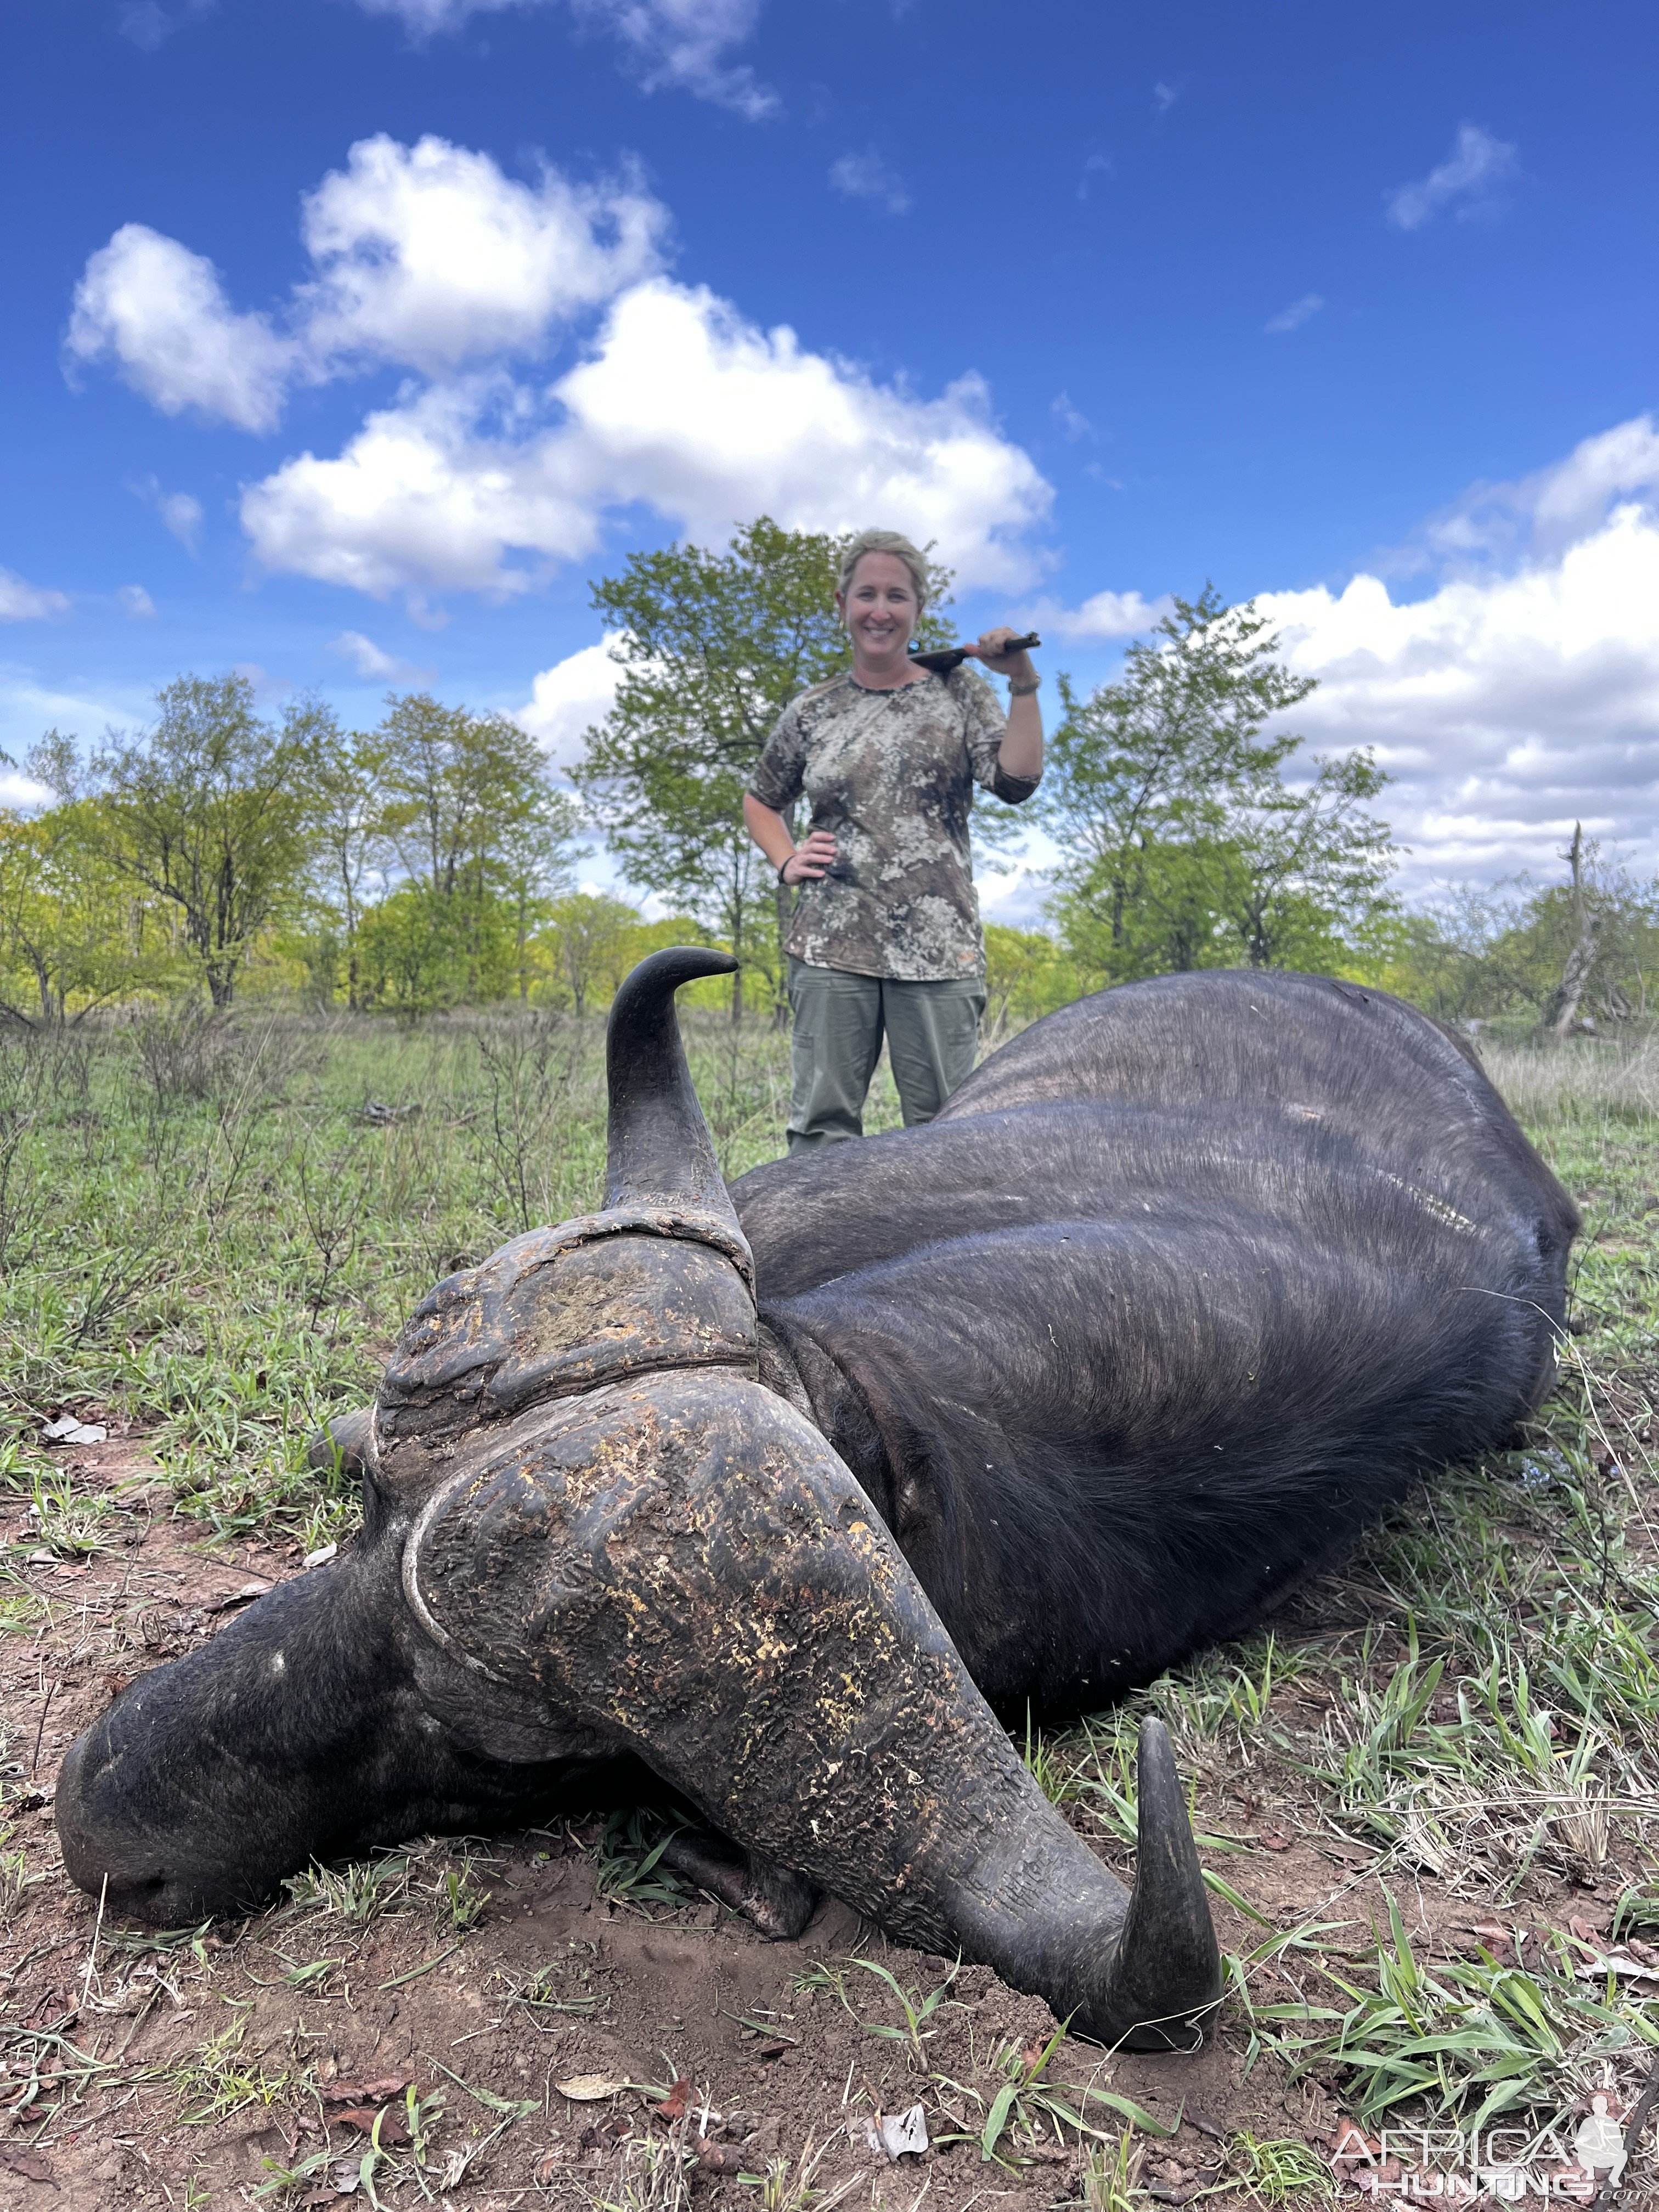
(1569, 2161)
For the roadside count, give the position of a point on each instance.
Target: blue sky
(346, 339)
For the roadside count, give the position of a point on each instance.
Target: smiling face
(880, 609)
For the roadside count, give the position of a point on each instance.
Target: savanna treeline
(428, 863)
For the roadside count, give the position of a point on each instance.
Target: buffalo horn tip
(1168, 1964)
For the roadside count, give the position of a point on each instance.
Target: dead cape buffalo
(1187, 1282)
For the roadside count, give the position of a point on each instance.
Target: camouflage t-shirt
(892, 775)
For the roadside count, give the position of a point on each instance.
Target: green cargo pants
(932, 1029)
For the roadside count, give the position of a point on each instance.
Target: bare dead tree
(1562, 1011)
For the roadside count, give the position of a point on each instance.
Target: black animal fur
(1187, 1284)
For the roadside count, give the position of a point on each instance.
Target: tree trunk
(1562, 1011)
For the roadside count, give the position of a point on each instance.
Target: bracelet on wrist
(784, 863)
(1023, 690)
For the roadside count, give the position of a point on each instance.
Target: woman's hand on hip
(811, 859)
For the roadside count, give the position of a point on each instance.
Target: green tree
(207, 811)
(1184, 845)
(348, 844)
(593, 937)
(712, 647)
(536, 847)
(480, 832)
(1027, 975)
(72, 937)
(1308, 868)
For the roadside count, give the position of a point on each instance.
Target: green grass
(218, 1234)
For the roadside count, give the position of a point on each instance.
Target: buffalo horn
(1166, 1973)
(659, 1151)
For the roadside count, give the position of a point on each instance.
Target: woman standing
(886, 937)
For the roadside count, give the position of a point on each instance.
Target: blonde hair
(884, 541)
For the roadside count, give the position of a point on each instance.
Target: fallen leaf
(321, 1557)
(28, 2163)
(774, 2049)
(389, 2085)
(1274, 1843)
(1582, 1928)
(69, 1429)
(672, 2108)
(589, 2088)
(393, 2127)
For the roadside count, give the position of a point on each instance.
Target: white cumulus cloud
(683, 406)
(134, 600)
(1471, 179)
(428, 496)
(670, 44)
(159, 313)
(21, 602)
(1506, 705)
(1104, 615)
(479, 476)
(429, 255)
(1546, 511)
(568, 698)
(426, 255)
